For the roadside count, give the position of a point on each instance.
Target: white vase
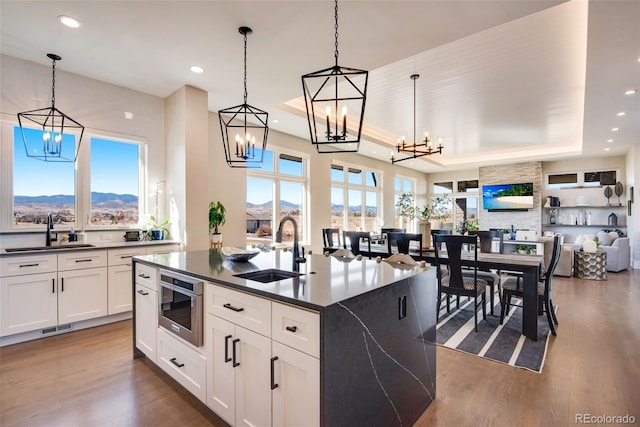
(216, 239)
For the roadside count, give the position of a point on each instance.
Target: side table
(590, 265)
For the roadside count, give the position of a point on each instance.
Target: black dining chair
(355, 238)
(456, 283)
(331, 239)
(513, 287)
(403, 242)
(486, 239)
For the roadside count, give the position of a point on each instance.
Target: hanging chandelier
(248, 123)
(335, 98)
(54, 123)
(416, 149)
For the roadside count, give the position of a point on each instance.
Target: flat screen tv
(507, 197)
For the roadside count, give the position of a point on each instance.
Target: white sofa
(618, 250)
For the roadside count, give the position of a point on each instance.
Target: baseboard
(62, 329)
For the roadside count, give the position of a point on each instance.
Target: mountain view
(106, 209)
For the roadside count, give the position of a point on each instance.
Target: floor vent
(56, 329)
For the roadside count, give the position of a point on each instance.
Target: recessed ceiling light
(197, 69)
(128, 115)
(609, 140)
(607, 149)
(621, 113)
(631, 91)
(615, 129)
(69, 21)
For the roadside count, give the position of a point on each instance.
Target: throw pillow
(614, 235)
(604, 238)
(579, 239)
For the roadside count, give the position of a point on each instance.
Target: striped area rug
(502, 343)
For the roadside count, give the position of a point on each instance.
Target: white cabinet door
(82, 294)
(221, 390)
(253, 393)
(238, 376)
(28, 303)
(146, 321)
(119, 293)
(296, 399)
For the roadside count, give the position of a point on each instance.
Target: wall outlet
(106, 236)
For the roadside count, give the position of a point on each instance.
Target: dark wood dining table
(531, 266)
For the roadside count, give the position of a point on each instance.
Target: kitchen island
(344, 342)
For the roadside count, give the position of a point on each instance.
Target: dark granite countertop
(324, 280)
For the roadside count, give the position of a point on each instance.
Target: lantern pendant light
(49, 145)
(244, 126)
(335, 99)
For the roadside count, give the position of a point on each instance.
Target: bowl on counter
(239, 254)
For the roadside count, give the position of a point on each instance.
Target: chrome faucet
(49, 228)
(297, 259)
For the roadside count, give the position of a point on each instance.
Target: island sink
(44, 248)
(268, 276)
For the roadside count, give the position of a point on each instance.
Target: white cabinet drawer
(81, 260)
(296, 328)
(17, 265)
(123, 256)
(183, 363)
(146, 275)
(163, 249)
(246, 310)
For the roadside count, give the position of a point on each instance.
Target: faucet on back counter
(49, 228)
(297, 259)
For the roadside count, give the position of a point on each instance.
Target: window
(39, 187)
(402, 185)
(360, 194)
(443, 187)
(275, 191)
(564, 180)
(468, 186)
(114, 195)
(596, 179)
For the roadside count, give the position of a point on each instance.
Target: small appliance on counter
(132, 236)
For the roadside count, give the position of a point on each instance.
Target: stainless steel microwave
(181, 303)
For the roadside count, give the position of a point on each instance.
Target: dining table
(529, 266)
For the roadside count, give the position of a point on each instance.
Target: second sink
(267, 276)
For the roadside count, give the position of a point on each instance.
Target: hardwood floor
(88, 377)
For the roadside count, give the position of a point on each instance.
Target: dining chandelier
(415, 150)
(248, 123)
(335, 98)
(48, 145)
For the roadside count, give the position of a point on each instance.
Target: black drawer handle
(141, 292)
(29, 265)
(125, 256)
(53, 286)
(84, 260)
(230, 307)
(291, 328)
(234, 353)
(178, 364)
(226, 349)
(273, 369)
(62, 284)
(144, 276)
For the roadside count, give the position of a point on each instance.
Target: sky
(114, 168)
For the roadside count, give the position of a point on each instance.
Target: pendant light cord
(245, 67)
(336, 28)
(414, 113)
(53, 85)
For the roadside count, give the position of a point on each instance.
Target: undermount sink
(267, 276)
(45, 248)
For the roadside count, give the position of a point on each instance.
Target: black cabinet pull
(141, 292)
(144, 276)
(273, 369)
(62, 284)
(402, 307)
(291, 328)
(53, 286)
(230, 307)
(178, 364)
(84, 260)
(234, 353)
(125, 256)
(29, 265)
(226, 349)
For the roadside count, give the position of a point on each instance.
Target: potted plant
(525, 249)
(217, 218)
(159, 230)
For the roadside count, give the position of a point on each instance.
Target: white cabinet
(29, 302)
(253, 379)
(238, 377)
(146, 310)
(119, 278)
(82, 286)
(163, 249)
(183, 363)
